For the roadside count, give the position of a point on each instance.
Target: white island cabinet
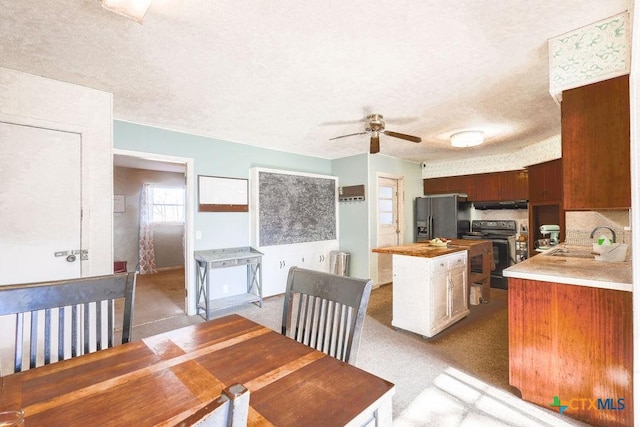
(429, 294)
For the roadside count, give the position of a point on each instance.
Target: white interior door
(40, 204)
(388, 225)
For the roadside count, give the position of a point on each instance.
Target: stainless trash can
(339, 263)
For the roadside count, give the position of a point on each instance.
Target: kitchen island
(430, 283)
(571, 336)
(480, 250)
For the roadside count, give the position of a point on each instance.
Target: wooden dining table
(163, 379)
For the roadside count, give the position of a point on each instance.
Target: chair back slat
(75, 334)
(326, 311)
(33, 345)
(47, 336)
(19, 341)
(66, 318)
(61, 340)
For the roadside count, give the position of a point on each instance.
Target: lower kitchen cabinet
(575, 344)
(429, 294)
(277, 260)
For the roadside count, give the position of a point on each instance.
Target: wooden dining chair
(326, 311)
(230, 409)
(67, 318)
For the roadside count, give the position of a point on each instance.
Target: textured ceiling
(292, 75)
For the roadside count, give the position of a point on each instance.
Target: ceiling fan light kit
(132, 9)
(374, 127)
(467, 138)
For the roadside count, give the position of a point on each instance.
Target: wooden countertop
(574, 271)
(425, 250)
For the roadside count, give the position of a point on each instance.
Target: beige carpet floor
(459, 377)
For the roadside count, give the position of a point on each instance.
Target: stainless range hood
(506, 204)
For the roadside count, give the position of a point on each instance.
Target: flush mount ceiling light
(467, 138)
(133, 9)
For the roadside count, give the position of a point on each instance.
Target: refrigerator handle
(430, 234)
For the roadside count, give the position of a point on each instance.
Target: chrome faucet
(613, 233)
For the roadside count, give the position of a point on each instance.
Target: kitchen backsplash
(580, 224)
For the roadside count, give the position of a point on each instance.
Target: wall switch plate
(198, 235)
(225, 289)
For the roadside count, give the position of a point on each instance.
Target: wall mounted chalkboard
(296, 208)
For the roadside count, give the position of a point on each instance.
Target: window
(168, 205)
(385, 205)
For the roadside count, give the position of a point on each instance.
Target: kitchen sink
(571, 252)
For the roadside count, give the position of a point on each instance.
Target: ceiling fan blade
(403, 136)
(375, 145)
(344, 136)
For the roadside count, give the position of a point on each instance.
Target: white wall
(35, 101)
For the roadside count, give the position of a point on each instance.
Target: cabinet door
(316, 261)
(514, 185)
(412, 294)
(537, 183)
(553, 183)
(322, 261)
(458, 290)
(596, 146)
(450, 184)
(545, 181)
(437, 185)
(487, 187)
(275, 270)
(440, 299)
(509, 185)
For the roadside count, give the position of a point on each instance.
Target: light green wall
(357, 220)
(354, 216)
(217, 158)
(358, 230)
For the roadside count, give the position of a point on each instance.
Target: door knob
(71, 258)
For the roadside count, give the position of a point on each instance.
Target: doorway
(167, 172)
(390, 221)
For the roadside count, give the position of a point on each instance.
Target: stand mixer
(553, 231)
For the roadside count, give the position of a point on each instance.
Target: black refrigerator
(441, 216)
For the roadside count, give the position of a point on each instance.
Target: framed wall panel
(290, 207)
(219, 194)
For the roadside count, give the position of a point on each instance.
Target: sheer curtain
(146, 251)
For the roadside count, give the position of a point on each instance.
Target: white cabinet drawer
(439, 265)
(448, 262)
(458, 260)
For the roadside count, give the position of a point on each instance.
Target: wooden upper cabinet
(514, 185)
(449, 184)
(483, 187)
(545, 181)
(596, 146)
(509, 185)
(486, 187)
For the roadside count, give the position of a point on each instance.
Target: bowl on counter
(439, 243)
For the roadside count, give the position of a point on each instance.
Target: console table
(207, 260)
